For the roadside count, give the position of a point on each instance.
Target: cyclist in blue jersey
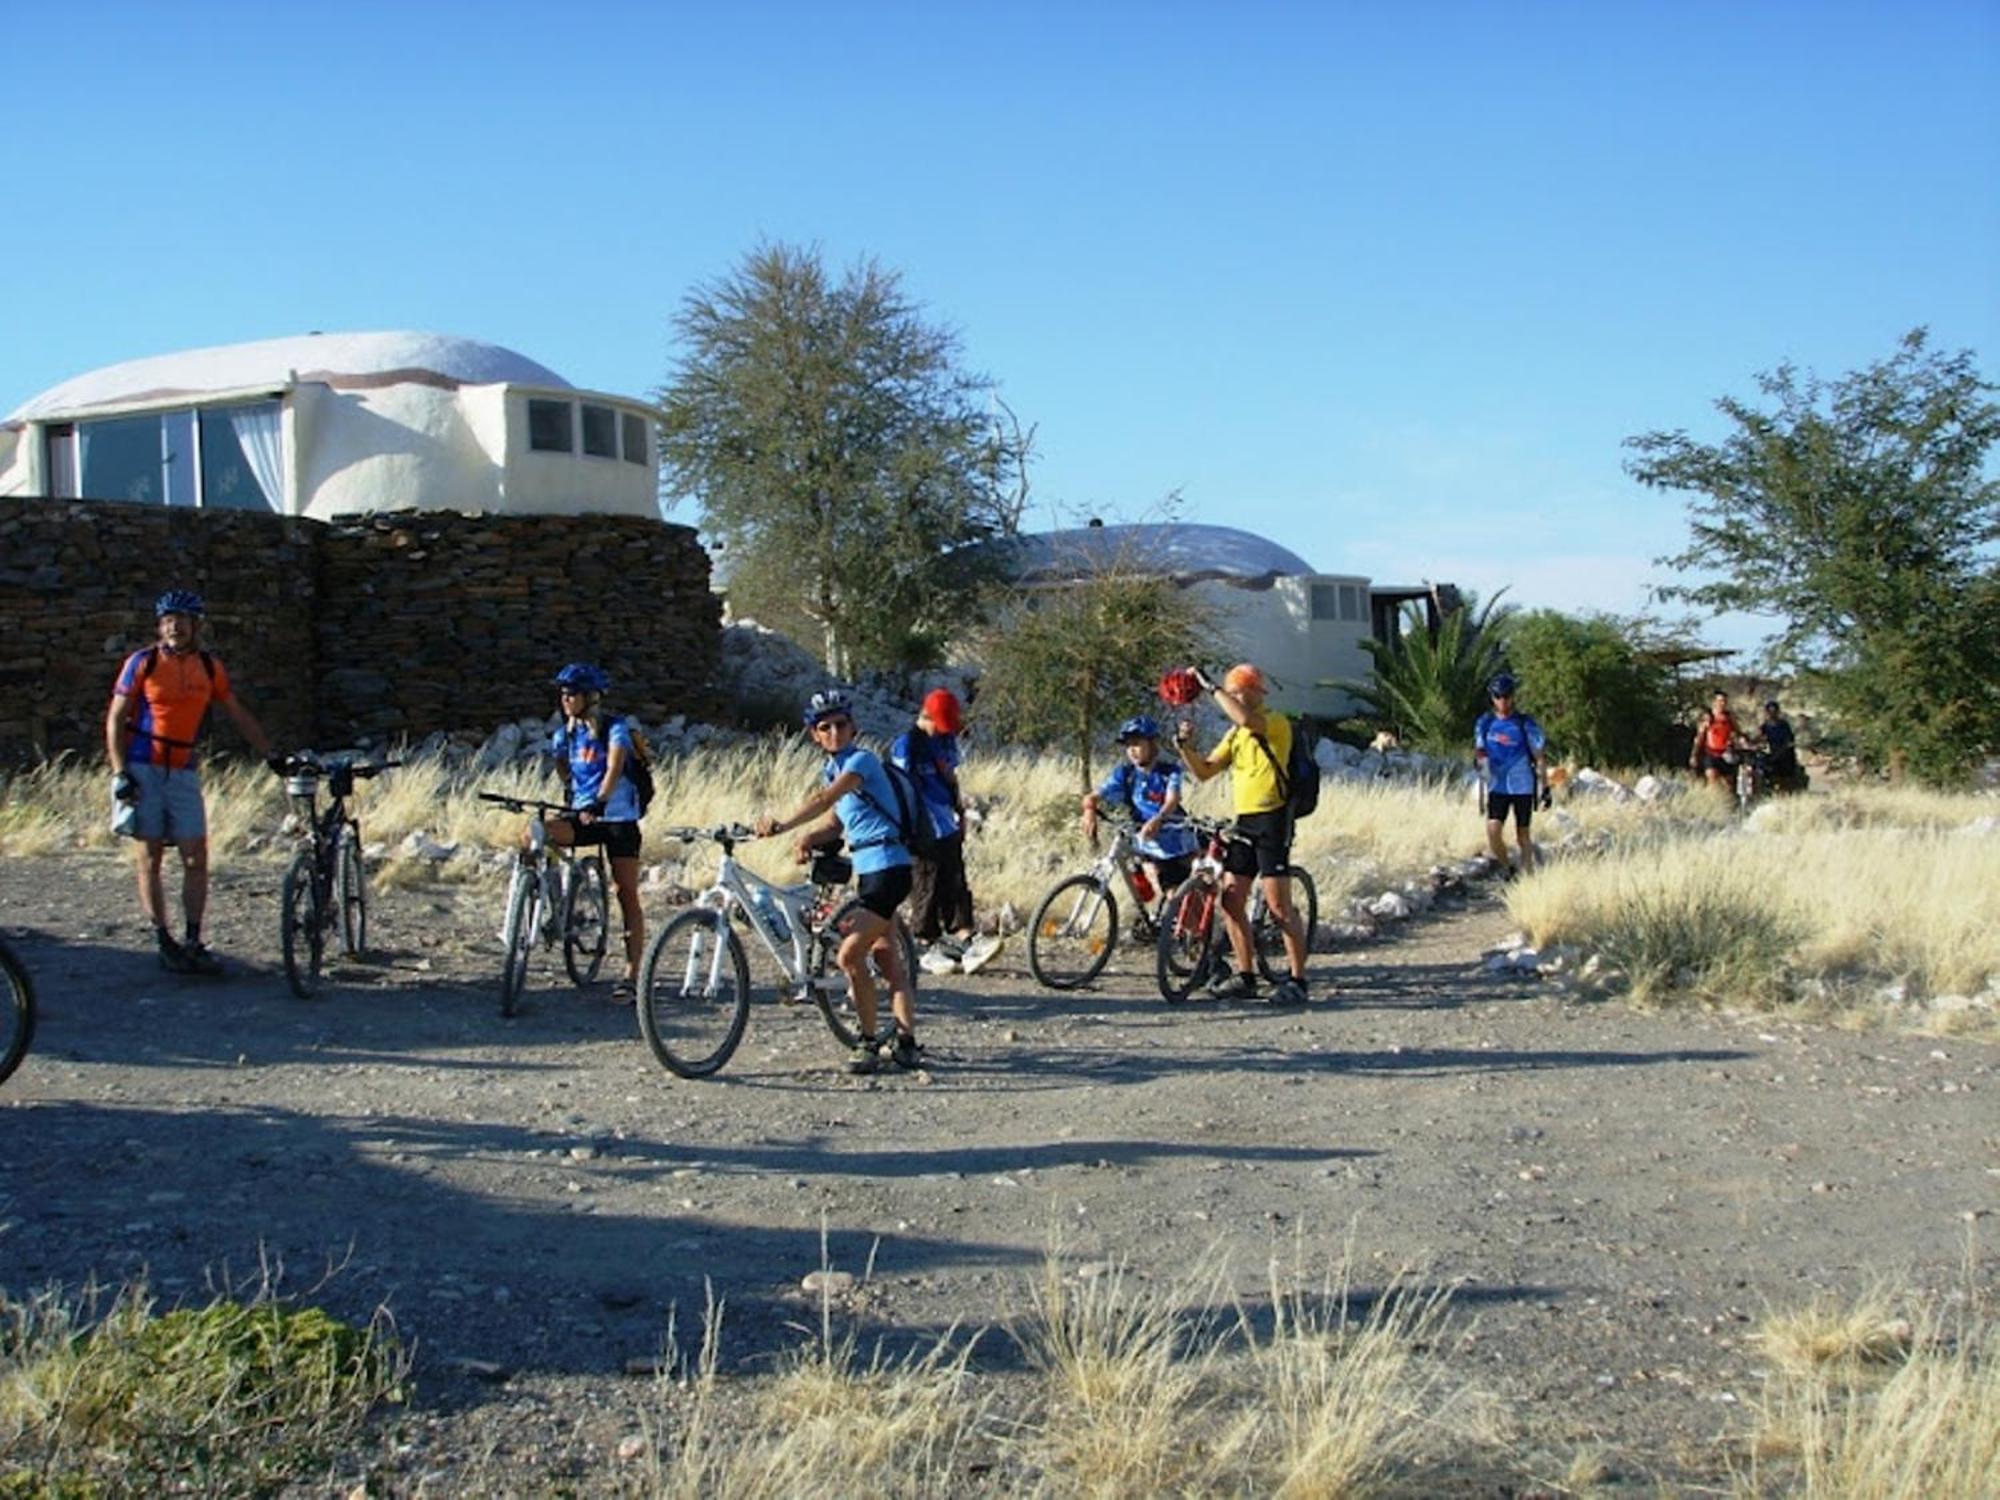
(1147, 785)
(593, 753)
(855, 801)
(941, 899)
(1511, 749)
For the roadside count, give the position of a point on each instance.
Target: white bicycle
(694, 986)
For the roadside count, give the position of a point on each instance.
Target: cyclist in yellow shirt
(1254, 750)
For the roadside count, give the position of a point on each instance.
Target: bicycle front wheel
(302, 935)
(17, 1012)
(1073, 933)
(1269, 937)
(832, 997)
(524, 924)
(694, 993)
(1185, 949)
(352, 880)
(586, 922)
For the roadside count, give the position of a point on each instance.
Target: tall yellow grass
(1750, 919)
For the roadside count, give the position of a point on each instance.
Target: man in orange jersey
(157, 707)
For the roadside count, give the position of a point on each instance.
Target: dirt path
(1621, 1196)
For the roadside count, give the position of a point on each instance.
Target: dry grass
(1860, 1406)
(1821, 909)
(1134, 1390)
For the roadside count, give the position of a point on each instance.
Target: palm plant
(1430, 685)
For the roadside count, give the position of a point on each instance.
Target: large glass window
(549, 427)
(637, 449)
(600, 431)
(225, 457)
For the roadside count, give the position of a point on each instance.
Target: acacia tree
(1064, 663)
(1430, 685)
(1858, 512)
(840, 454)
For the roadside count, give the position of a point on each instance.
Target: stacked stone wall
(383, 625)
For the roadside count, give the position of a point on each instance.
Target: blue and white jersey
(587, 757)
(1511, 745)
(872, 835)
(1145, 789)
(934, 769)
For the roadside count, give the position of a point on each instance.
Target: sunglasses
(571, 692)
(839, 723)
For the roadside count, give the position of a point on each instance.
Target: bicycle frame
(736, 889)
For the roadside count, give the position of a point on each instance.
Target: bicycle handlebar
(317, 762)
(722, 833)
(524, 804)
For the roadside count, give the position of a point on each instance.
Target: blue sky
(1387, 283)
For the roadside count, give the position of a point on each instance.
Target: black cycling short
(1723, 765)
(620, 840)
(1521, 804)
(1262, 844)
(885, 890)
(1174, 871)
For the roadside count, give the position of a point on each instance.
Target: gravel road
(1618, 1196)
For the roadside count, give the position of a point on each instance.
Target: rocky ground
(1618, 1197)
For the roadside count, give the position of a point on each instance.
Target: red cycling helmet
(1181, 686)
(941, 708)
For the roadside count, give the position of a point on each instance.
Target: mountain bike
(17, 1012)
(556, 896)
(1188, 954)
(1075, 929)
(694, 986)
(327, 883)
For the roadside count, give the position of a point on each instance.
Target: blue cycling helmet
(584, 677)
(1502, 686)
(825, 704)
(179, 602)
(1138, 727)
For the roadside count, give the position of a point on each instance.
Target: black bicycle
(327, 884)
(556, 894)
(17, 1012)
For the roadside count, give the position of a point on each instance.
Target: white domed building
(1304, 628)
(322, 425)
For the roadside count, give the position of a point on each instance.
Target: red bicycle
(1187, 955)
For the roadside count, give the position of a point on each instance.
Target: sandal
(623, 992)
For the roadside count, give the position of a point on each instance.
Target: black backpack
(1298, 777)
(639, 768)
(915, 831)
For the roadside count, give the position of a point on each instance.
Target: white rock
(1390, 906)
(420, 845)
(828, 1283)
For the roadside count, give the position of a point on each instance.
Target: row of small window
(1339, 601)
(553, 427)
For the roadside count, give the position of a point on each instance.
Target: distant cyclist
(1147, 784)
(1254, 753)
(855, 792)
(1780, 750)
(1512, 750)
(157, 708)
(1716, 740)
(594, 755)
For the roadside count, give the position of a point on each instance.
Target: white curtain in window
(260, 431)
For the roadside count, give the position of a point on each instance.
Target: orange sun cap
(1243, 678)
(941, 708)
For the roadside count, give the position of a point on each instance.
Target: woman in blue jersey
(593, 753)
(858, 804)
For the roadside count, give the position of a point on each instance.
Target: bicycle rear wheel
(302, 933)
(1073, 933)
(352, 879)
(586, 921)
(524, 923)
(694, 993)
(1185, 950)
(17, 1012)
(1269, 937)
(834, 1002)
